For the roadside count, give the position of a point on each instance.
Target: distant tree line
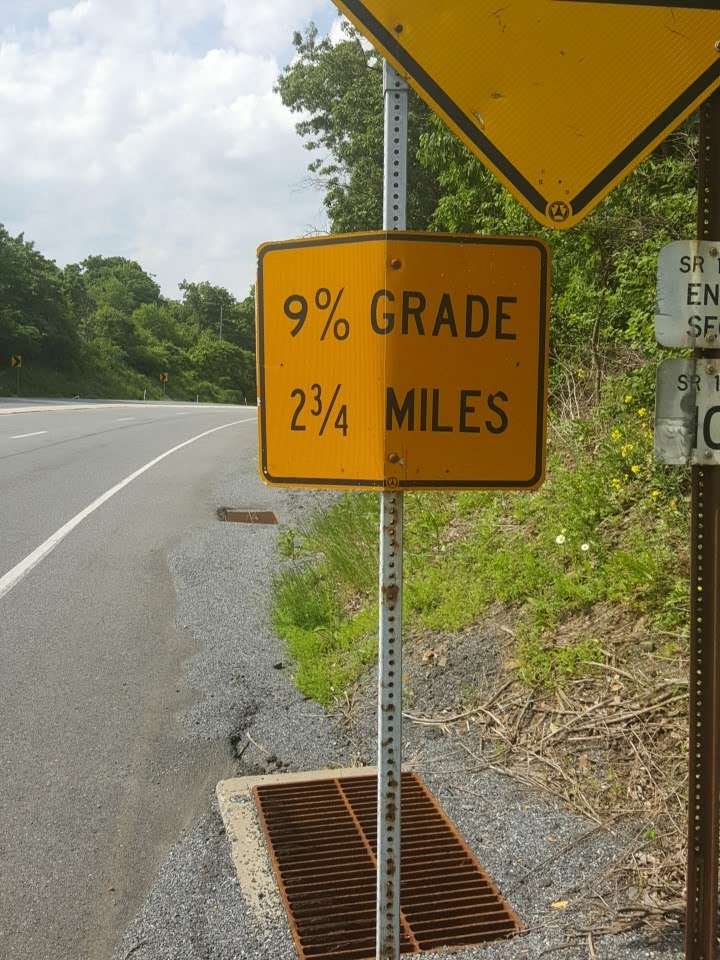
(102, 328)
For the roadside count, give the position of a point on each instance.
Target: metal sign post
(686, 411)
(395, 92)
(704, 747)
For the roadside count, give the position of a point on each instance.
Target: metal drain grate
(246, 516)
(322, 838)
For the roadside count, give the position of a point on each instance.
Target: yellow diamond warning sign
(561, 98)
(403, 360)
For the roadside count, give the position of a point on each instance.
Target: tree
(102, 327)
(242, 329)
(36, 317)
(340, 87)
(118, 282)
(226, 366)
(202, 303)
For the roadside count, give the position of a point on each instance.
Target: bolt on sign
(688, 295)
(403, 360)
(687, 412)
(560, 98)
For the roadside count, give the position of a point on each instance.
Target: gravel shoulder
(538, 852)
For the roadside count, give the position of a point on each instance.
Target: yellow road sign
(561, 98)
(163, 378)
(403, 360)
(16, 360)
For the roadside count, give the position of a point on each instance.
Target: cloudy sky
(148, 129)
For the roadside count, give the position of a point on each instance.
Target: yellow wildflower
(615, 435)
(655, 494)
(627, 449)
(615, 483)
(628, 398)
(635, 468)
(642, 412)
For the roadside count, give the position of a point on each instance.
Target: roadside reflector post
(395, 93)
(704, 746)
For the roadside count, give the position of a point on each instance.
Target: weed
(540, 665)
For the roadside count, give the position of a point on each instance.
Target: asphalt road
(96, 778)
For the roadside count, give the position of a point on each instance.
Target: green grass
(608, 526)
(102, 381)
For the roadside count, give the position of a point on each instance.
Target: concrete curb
(111, 405)
(247, 844)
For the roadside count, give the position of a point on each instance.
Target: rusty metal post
(391, 573)
(704, 746)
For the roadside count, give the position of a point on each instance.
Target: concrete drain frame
(231, 515)
(322, 840)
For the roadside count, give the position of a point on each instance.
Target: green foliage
(323, 604)
(102, 328)
(540, 665)
(338, 88)
(330, 645)
(35, 309)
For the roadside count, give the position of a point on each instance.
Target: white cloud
(267, 26)
(149, 129)
(337, 33)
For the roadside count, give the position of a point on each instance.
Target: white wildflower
(585, 547)
(560, 538)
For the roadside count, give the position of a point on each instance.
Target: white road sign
(688, 294)
(687, 412)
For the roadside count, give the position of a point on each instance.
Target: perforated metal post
(704, 746)
(391, 573)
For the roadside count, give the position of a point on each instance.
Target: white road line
(120, 419)
(21, 570)
(21, 436)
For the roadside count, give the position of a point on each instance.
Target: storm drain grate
(322, 836)
(246, 516)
